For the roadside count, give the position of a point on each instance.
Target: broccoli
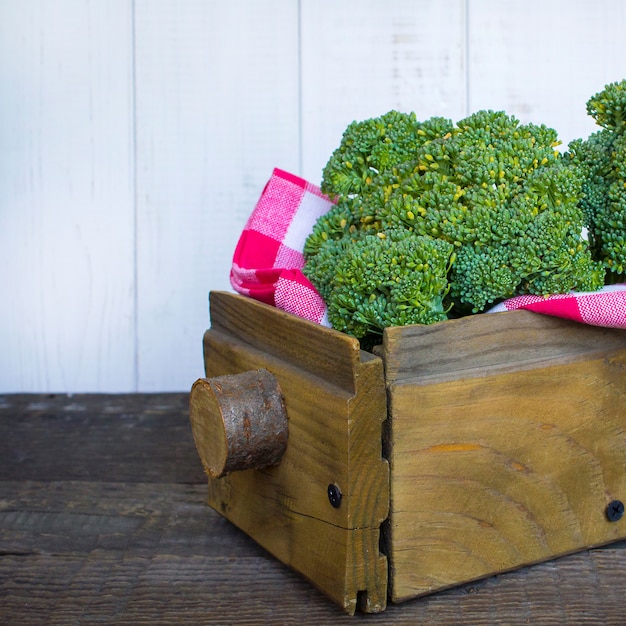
(375, 147)
(436, 220)
(602, 161)
(608, 107)
(373, 280)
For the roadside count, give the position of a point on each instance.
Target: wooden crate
(457, 451)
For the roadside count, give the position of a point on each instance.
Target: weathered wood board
(335, 401)
(104, 520)
(507, 443)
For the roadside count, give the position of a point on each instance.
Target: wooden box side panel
(345, 564)
(496, 342)
(310, 347)
(328, 430)
(491, 474)
(335, 438)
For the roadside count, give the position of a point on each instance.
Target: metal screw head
(615, 510)
(334, 495)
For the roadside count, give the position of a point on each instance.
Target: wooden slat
(367, 57)
(536, 83)
(216, 111)
(165, 589)
(323, 352)
(481, 344)
(99, 438)
(66, 208)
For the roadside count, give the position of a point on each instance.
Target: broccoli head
(374, 147)
(602, 162)
(608, 107)
(388, 278)
(490, 202)
(594, 157)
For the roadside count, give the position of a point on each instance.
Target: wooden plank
(77, 516)
(478, 344)
(216, 111)
(335, 439)
(361, 58)
(66, 218)
(491, 473)
(166, 558)
(134, 438)
(322, 428)
(330, 424)
(323, 352)
(515, 61)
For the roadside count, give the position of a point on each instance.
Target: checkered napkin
(268, 260)
(606, 307)
(267, 264)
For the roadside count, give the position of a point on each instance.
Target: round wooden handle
(238, 422)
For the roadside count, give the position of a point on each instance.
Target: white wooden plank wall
(136, 136)
(66, 196)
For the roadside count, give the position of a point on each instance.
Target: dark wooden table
(103, 521)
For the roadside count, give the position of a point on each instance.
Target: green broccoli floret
(553, 256)
(374, 280)
(534, 246)
(593, 155)
(608, 107)
(374, 147)
(506, 199)
(602, 161)
(482, 274)
(489, 202)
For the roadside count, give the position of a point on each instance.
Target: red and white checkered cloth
(605, 307)
(267, 263)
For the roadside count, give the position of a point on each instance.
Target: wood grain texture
(362, 58)
(134, 542)
(480, 344)
(66, 205)
(492, 469)
(515, 62)
(238, 422)
(335, 411)
(217, 110)
(98, 438)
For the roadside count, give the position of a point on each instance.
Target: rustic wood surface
(517, 469)
(497, 464)
(335, 399)
(103, 520)
(511, 341)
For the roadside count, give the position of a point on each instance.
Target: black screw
(334, 495)
(615, 510)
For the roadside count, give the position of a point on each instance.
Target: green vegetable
(385, 278)
(602, 161)
(436, 220)
(376, 146)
